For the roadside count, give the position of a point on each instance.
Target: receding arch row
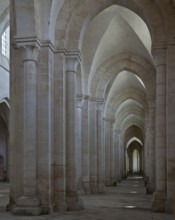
(115, 103)
(117, 26)
(130, 121)
(133, 131)
(102, 80)
(132, 140)
(126, 103)
(130, 109)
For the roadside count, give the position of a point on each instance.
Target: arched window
(5, 38)
(136, 161)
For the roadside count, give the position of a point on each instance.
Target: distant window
(5, 43)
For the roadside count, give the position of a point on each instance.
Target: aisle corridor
(127, 201)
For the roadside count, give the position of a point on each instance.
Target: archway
(135, 158)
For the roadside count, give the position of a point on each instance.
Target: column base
(119, 179)
(108, 183)
(59, 203)
(86, 188)
(146, 180)
(80, 187)
(74, 203)
(114, 182)
(158, 204)
(27, 206)
(59, 206)
(169, 206)
(46, 210)
(150, 188)
(94, 188)
(101, 188)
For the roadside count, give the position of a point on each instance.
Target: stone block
(28, 211)
(169, 206)
(27, 206)
(74, 203)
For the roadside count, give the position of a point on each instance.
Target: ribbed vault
(117, 67)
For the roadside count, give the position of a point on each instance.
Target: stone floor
(127, 201)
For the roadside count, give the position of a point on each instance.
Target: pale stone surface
(119, 60)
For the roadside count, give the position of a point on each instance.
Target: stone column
(93, 145)
(123, 153)
(115, 148)
(72, 199)
(85, 146)
(119, 156)
(79, 142)
(29, 203)
(100, 148)
(112, 152)
(170, 116)
(59, 136)
(107, 141)
(146, 150)
(151, 145)
(160, 147)
(121, 159)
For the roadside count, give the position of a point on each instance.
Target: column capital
(158, 45)
(85, 97)
(100, 106)
(107, 119)
(170, 41)
(79, 102)
(85, 103)
(100, 101)
(159, 53)
(72, 61)
(30, 52)
(92, 99)
(30, 48)
(97, 100)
